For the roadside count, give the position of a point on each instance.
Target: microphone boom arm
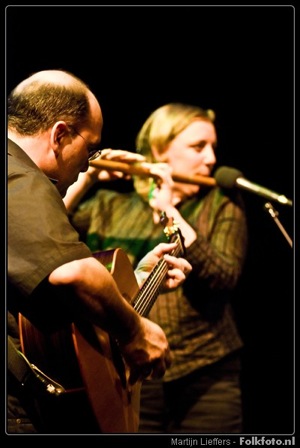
(274, 214)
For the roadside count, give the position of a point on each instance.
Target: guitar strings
(146, 297)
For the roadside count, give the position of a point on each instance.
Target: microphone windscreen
(226, 177)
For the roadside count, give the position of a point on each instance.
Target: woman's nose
(210, 157)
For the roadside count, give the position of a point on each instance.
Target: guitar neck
(150, 289)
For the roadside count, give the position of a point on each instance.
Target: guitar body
(86, 361)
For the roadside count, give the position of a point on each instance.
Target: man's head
(57, 121)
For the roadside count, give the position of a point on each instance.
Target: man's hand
(148, 354)
(178, 269)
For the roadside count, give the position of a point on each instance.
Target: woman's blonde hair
(160, 128)
(165, 123)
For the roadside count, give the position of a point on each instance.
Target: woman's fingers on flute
(163, 171)
(121, 155)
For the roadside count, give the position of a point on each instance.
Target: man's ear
(59, 131)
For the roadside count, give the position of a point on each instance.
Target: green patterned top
(198, 317)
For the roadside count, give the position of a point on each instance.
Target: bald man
(54, 130)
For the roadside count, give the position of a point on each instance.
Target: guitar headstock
(170, 227)
(172, 230)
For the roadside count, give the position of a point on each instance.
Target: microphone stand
(274, 214)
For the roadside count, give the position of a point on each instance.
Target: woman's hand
(93, 175)
(161, 193)
(114, 155)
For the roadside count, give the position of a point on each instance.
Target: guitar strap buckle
(51, 386)
(30, 376)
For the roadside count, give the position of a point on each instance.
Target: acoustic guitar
(85, 360)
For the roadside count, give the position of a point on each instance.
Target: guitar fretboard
(150, 289)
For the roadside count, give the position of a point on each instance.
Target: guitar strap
(29, 376)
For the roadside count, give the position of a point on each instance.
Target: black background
(237, 60)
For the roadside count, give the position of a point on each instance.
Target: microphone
(227, 177)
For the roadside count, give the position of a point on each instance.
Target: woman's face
(192, 152)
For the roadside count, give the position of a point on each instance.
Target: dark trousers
(206, 401)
